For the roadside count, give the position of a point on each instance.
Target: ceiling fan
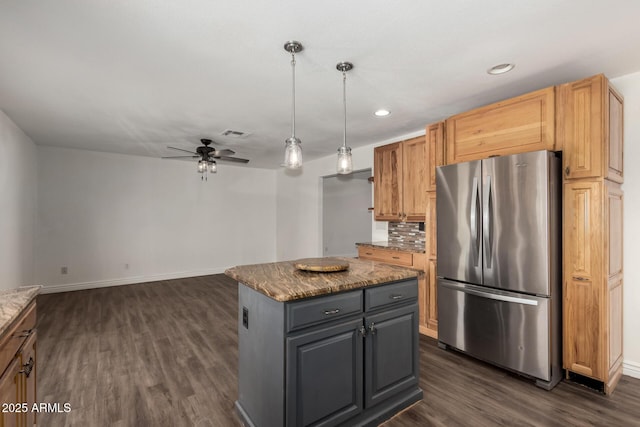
(209, 154)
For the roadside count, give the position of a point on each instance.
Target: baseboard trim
(631, 368)
(67, 287)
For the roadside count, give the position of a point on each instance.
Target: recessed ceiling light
(501, 69)
(382, 113)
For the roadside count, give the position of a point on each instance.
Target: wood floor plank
(166, 353)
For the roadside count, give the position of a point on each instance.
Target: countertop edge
(392, 247)
(14, 302)
(262, 286)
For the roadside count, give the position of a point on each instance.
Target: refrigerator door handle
(486, 220)
(487, 294)
(473, 219)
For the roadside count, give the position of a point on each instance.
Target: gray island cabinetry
(326, 349)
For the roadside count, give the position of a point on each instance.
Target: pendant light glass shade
(202, 166)
(213, 167)
(293, 153)
(345, 161)
(293, 145)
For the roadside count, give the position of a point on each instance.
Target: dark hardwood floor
(165, 354)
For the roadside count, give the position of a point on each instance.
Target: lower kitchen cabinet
(324, 374)
(10, 394)
(28, 371)
(387, 369)
(593, 280)
(431, 301)
(18, 365)
(348, 358)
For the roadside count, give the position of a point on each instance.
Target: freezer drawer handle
(493, 296)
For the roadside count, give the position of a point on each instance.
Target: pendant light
(345, 162)
(293, 148)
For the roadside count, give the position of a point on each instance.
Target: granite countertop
(393, 246)
(12, 302)
(281, 281)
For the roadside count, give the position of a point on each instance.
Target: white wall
(98, 212)
(18, 170)
(629, 86)
(299, 205)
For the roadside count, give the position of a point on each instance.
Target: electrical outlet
(245, 317)
(64, 270)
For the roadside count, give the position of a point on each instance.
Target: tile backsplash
(406, 234)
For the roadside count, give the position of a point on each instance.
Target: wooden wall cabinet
(590, 132)
(589, 129)
(400, 181)
(435, 152)
(435, 157)
(431, 301)
(517, 125)
(592, 279)
(18, 367)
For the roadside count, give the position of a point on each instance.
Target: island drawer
(395, 293)
(323, 309)
(389, 256)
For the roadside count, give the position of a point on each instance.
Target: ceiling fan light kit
(207, 157)
(293, 147)
(345, 161)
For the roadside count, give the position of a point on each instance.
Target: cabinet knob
(28, 367)
(566, 171)
(372, 328)
(362, 330)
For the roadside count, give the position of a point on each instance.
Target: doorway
(346, 218)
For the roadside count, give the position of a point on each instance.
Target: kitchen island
(326, 349)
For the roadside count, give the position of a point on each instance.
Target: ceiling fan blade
(180, 157)
(224, 152)
(186, 151)
(232, 159)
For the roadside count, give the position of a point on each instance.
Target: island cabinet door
(391, 353)
(324, 375)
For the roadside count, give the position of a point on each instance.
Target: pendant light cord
(344, 103)
(293, 91)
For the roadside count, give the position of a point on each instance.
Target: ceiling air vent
(234, 133)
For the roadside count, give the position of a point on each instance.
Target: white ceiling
(133, 76)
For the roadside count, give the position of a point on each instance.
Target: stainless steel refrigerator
(499, 262)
